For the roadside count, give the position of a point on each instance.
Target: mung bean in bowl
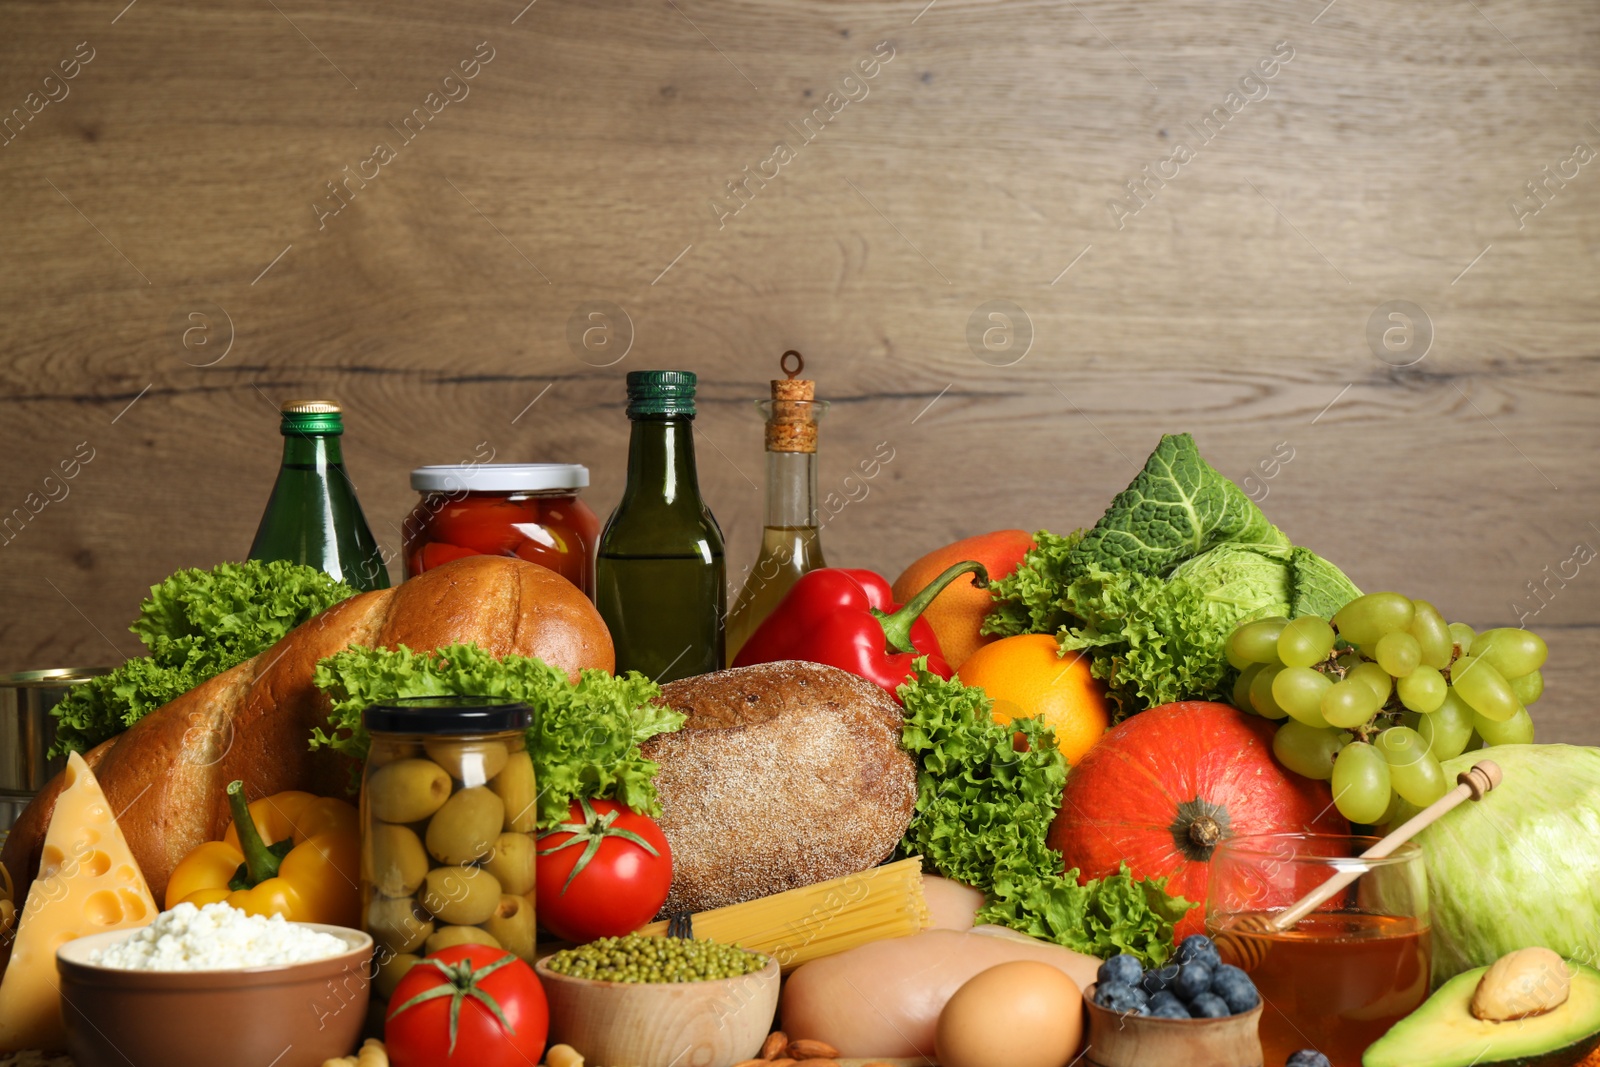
(655, 1002)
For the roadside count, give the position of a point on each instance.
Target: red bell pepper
(848, 619)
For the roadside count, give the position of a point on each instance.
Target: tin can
(27, 730)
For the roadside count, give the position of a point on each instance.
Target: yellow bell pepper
(310, 873)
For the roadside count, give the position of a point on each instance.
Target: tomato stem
(460, 982)
(592, 833)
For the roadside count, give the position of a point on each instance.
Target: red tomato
(488, 982)
(603, 874)
(438, 554)
(484, 524)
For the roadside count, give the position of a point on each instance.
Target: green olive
(388, 751)
(465, 828)
(407, 790)
(513, 926)
(393, 968)
(511, 862)
(450, 936)
(397, 860)
(462, 896)
(470, 762)
(399, 924)
(515, 786)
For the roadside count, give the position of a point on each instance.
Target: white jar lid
(499, 477)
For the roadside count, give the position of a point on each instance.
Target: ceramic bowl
(715, 1023)
(1117, 1040)
(296, 1015)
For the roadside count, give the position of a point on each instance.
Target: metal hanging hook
(799, 364)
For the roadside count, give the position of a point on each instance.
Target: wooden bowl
(1117, 1040)
(717, 1023)
(294, 1015)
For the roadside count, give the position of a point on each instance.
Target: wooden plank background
(165, 278)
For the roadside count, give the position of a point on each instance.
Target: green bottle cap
(303, 417)
(660, 392)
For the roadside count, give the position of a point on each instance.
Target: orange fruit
(1026, 676)
(958, 611)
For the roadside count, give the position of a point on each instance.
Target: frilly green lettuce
(584, 740)
(982, 816)
(196, 624)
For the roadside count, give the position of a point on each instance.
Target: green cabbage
(1521, 867)
(196, 624)
(982, 817)
(584, 740)
(1152, 592)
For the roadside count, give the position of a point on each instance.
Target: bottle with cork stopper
(790, 542)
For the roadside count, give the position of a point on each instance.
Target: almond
(805, 1049)
(815, 1062)
(751, 1063)
(781, 1061)
(774, 1045)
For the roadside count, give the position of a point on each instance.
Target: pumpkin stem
(1199, 828)
(1205, 832)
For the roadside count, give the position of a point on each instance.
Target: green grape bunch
(1376, 700)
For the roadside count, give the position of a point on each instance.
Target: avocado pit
(1521, 985)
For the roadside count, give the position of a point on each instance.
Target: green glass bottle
(313, 516)
(660, 578)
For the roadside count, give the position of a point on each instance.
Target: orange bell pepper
(310, 872)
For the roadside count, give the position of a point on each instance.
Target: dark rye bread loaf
(785, 774)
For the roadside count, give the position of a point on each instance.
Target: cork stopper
(792, 415)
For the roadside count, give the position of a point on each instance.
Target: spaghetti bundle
(818, 920)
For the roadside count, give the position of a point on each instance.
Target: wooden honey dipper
(1246, 940)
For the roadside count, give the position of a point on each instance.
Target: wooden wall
(166, 278)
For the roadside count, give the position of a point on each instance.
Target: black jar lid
(449, 715)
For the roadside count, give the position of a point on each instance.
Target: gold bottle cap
(309, 407)
(792, 422)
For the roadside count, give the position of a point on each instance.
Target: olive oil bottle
(313, 516)
(791, 539)
(660, 577)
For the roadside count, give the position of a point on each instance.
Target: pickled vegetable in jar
(448, 812)
(528, 510)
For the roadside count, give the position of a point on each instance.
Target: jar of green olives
(448, 810)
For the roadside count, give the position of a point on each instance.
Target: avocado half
(1445, 1033)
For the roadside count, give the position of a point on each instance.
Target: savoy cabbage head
(1153, 590)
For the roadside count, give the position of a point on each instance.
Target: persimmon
(957, 613)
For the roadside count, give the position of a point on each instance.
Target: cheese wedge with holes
(88, 883)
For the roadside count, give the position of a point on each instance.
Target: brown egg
(1021, 1014)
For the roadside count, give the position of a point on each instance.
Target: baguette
(165, 777)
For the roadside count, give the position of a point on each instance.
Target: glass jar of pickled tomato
(527, 510)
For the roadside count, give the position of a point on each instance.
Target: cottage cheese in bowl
(217, 937)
